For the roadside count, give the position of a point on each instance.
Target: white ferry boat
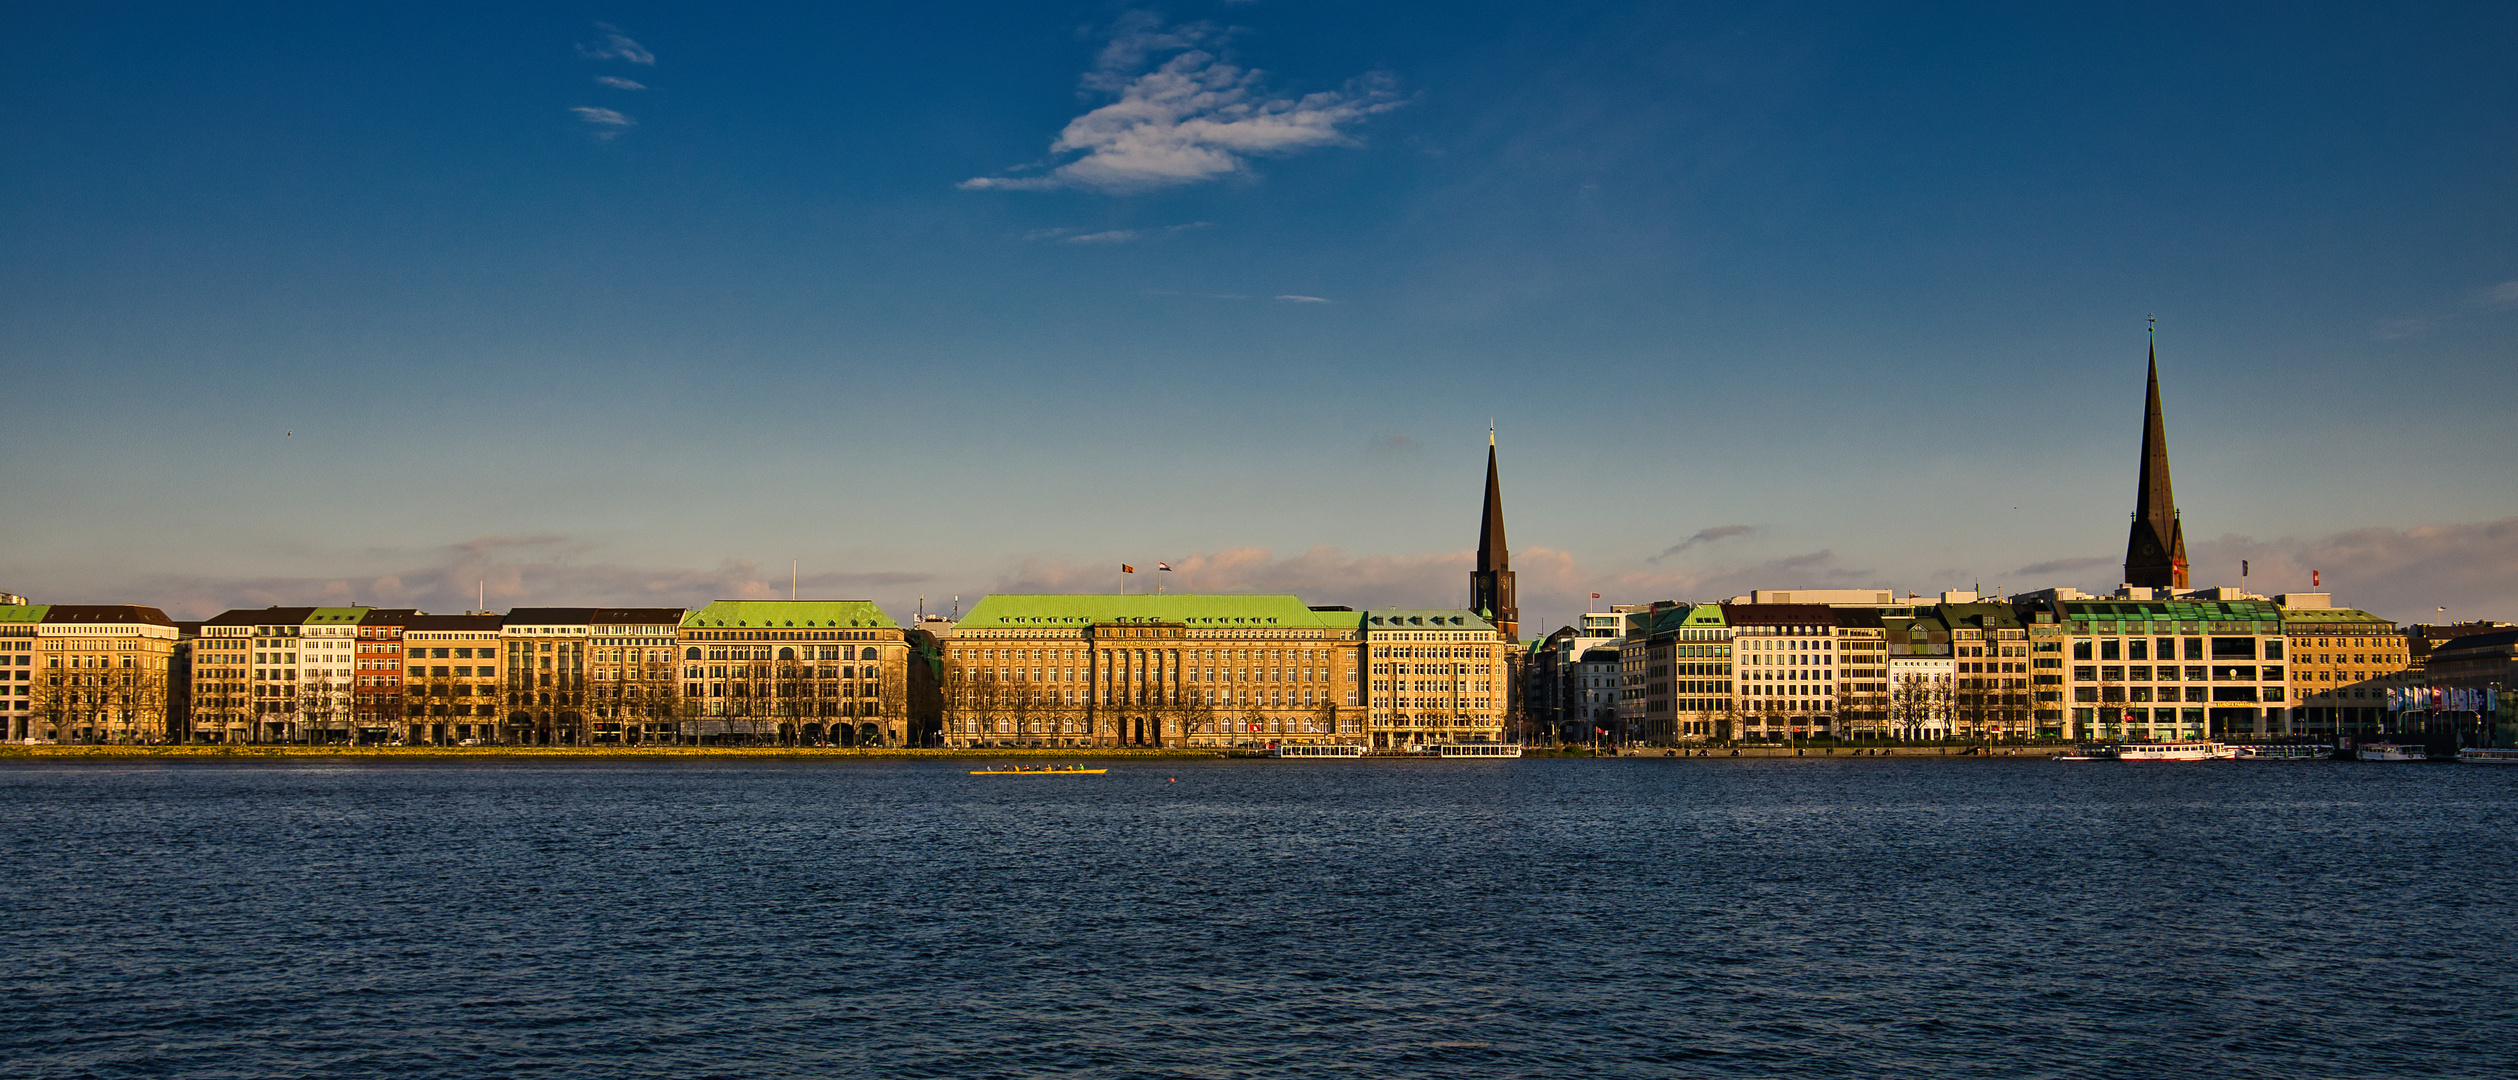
(2189, 750)
(2283, 752)
(2489, 755)
(1319, 750)
(2379, 751)
(1478, 750)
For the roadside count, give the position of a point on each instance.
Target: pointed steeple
(1491, 582)
(2155, 553)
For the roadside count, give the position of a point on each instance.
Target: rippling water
(1259, 918)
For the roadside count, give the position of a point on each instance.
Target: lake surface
(1539, 918)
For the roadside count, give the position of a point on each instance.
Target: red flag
(1124, 568)
(1162, 566)
(1595, 596)
(2312, 579)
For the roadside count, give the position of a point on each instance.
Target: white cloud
(617, 46)
(618, 83)
(607, 123)
(1191, 119)
(2504, 294)
(1293, 299)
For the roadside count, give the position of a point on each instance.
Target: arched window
(786, 654)
(867, 655)
(690, 654)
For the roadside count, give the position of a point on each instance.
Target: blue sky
(638, 303)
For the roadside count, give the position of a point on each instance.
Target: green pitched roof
(2318, 616)
(28, 613)
(1009, 610)
(336, 616)
(753, 614)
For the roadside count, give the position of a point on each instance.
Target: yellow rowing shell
(1037, 772)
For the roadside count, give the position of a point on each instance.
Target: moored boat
(2181, 750)
(2283, 751)
(1478, 750)
(1038, 770)
(2379, 751)
(2489, 755)
(1319, 750)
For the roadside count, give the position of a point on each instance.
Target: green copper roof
(757, 614)
(16, 613)
(2199, 611)
(1004, 610)
(2321, 616)
(336, 616)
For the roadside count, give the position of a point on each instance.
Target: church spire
(2155, 554)
(1491, 582)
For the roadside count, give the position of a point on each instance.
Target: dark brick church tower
(2155, 556)
(1491, 584)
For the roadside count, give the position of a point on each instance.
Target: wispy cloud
(1551, 584)
(607, 123)
(618, 83)
(2402, 573)
(1194, 117)
(616, 45)
(1109, 236)
(1293, 299)
(1704, 536)
(2501, 296)
(510, 571)
(2068, 566)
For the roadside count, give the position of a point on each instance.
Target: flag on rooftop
(1162, 566)
(1124, 568)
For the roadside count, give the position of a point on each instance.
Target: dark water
(1294, 919)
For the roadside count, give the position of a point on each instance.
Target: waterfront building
(255, 662)
(2162, 668)
(327, 650)
(1989, 670)
(2488, 663)
(376, 686)
(222, 683)
(1184, 669)
(1593, 711)
(1862, 675)
(633, 685)
(1676, 669)
(542, 662)
(448, 669)
(18, 680)
(818, 672)
(1785, 659)
(1921, 674)
(1562, 699)
(2155, 553)
(2046, 644)
(104, 672)
(1439, 675)
(2340, 662)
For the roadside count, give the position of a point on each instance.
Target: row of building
(1070, 671)
(2144, 663)
(2155, 660)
